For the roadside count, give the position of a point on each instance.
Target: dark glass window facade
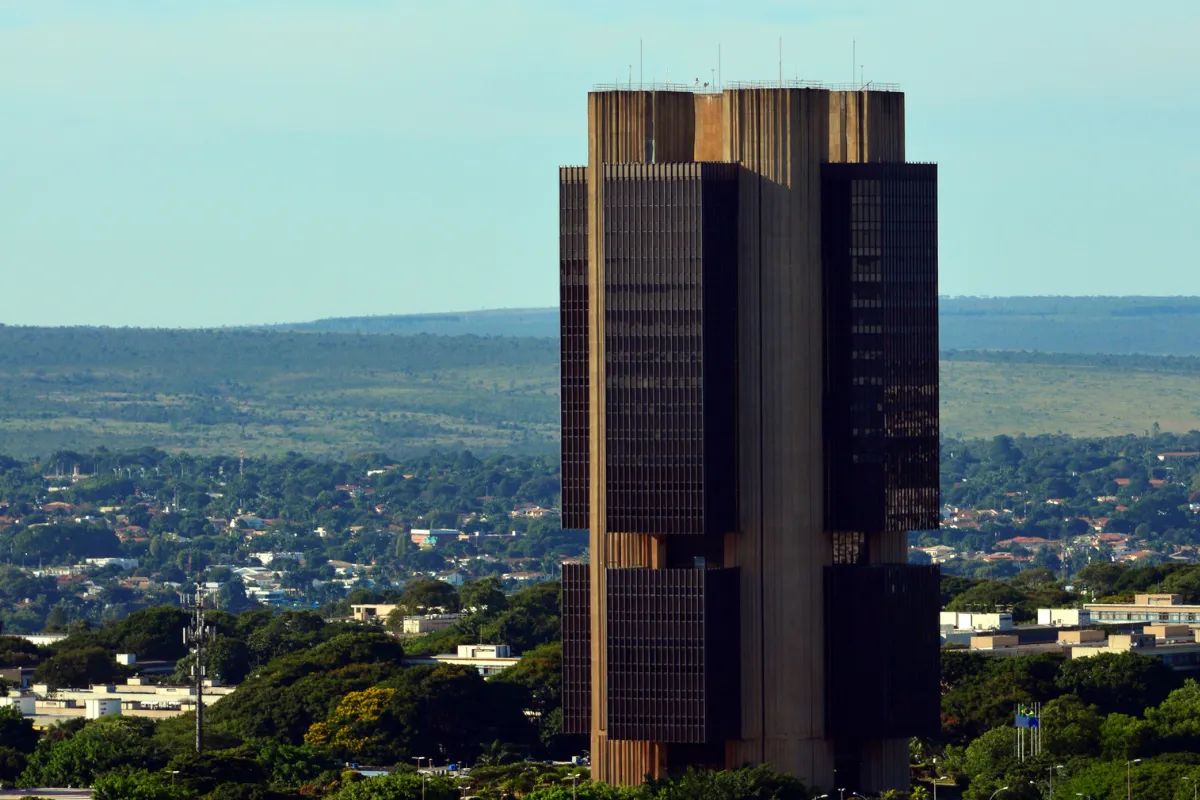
(883, 651)
(672, 654)
(669, 335)
(573, 322)
(577, 648)
(879, 249)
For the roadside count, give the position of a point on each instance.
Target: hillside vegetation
(271, 392)
(1122, 325)
(217, 391)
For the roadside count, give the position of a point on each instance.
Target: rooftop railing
(708, 88)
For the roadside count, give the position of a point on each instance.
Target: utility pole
(198, 635)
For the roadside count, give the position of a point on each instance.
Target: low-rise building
(1147, 608)
(373, 612)
(966, 621)
(428, 623)
(432, 537)
(1064, 617)
(488, 659)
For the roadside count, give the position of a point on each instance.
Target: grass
(987, 398)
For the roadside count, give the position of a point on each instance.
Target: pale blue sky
(230, 161)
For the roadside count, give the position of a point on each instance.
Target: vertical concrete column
(866, 126)
(781, 137)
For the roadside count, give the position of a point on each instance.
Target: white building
(1064, 617)
(123, 563)
(96, 707)
(428, 623)
(266, 558)
(453, 577)
(25, 704)
(488, 659)
(957, 620)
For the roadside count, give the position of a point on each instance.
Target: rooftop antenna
(780, 62)
(853, 57)
(718, 64)
(641, 66)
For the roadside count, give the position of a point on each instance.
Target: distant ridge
(532, 322)
(1112, 325)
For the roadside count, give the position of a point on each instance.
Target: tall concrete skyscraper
(749, 432)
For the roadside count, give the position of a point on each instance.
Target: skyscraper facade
(749, 432)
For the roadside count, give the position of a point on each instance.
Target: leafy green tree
(138, 785)
(226, 658)
(423, 596)
(283, 699)
(1123, 683)
(758, 783)
(99, 746)
(398, 786)
(295, 766)
(987, 596)
(1123, 737)
(1176, 721)
(1070, 727)
(16, 731)
(78, 669)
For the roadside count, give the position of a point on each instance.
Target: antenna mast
(198, 635)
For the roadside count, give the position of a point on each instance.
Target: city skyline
(165, 166)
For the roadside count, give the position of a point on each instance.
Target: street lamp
(841, 794)
(1129, 777)
(1195, 786)
(998, 791)
(820, 797)
(574, 782)
(419, 759)
(1051, 771)
(1081, 794)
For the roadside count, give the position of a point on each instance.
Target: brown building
(749, 431)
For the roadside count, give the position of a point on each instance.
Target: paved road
(55, 794)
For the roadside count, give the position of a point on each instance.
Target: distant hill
(534, 322)
(1118, 325)
(327, 388)
(1113, 325)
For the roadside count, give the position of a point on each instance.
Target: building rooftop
(700, 86)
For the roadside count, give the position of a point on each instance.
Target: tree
(986, 596)
(398, 786)
(422, 596)
(354, 731)
(482, 596)
(78, 669)
(1176, 721)
(226, 658)
(1070, 727)
(138, 785)
(16, 731)
(99, 746)
(1124, 683)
